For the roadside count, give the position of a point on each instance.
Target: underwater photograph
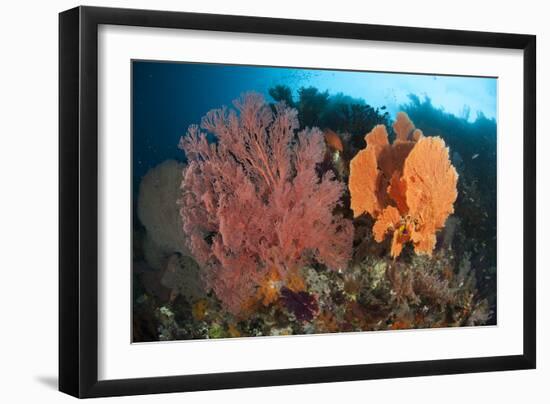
(277, 201)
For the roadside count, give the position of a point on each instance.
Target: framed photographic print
(251, 201)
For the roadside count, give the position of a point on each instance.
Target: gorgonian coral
(253, 201)
(158, 212)
(408, 187)
(156, 206)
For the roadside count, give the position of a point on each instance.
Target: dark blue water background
(167, 97)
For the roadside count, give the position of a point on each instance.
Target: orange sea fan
(377, 138)
(431, 190)
(402, 127)
(373, 169)
(408, 187)
(365, 178)
(397, 192)
(389, 219)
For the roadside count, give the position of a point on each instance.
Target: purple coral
(253, 201)
(302, 304)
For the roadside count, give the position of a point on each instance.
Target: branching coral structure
(253, 202)
(409, 187)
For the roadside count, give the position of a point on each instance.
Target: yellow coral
(295, 281)
(268, 291)
(200, 309)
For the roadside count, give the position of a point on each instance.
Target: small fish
(475, 156)
(335, 150)
(333, 140)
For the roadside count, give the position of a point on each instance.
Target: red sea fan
(253, 201)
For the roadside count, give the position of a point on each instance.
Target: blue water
(168, 97)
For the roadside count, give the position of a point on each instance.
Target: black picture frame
(78, 201)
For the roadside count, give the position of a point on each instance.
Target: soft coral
(253, 201)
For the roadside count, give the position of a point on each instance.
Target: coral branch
(254, 203)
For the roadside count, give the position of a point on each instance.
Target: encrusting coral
(253, 203)
(408, 187)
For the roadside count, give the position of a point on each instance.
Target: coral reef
(301, 304)
(253, 201)
(274, 227)
(408, 187)
(377, 294)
